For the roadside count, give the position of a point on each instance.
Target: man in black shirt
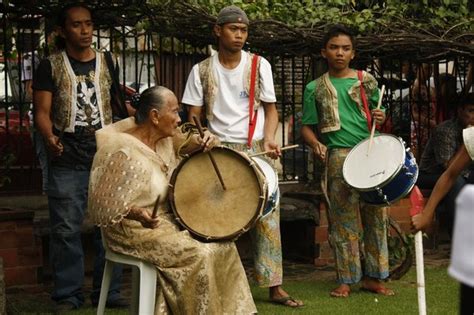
(72, 101)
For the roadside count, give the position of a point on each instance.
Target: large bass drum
(203, 207)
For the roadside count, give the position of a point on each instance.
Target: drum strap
(364, 101)
(252, 113)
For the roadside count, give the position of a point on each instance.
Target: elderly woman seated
(131, 171)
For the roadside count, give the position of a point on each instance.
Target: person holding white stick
(343, 109)
(462, 256)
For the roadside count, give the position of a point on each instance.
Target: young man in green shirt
(333, 103)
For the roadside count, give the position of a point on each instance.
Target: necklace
(164, 166)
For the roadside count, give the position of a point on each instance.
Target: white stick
(282, 149)
(372, 132)
(420, 273)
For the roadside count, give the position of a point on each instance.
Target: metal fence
(415, 99)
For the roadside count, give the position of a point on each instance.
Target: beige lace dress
(194, 277)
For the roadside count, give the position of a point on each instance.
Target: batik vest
(327, 104)
(65, 95)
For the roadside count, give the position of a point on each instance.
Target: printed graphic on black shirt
(87, 112)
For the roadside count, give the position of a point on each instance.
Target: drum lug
(382, 195)
(407, 171)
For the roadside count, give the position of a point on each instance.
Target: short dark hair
(466, 99)
(63, 13)
(151, 98)
(62, 17)
(336, 30)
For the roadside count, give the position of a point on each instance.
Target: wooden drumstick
(214, 164)
(155, 208)
(372, 132)
(270, 151)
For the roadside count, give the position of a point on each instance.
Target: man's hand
(379, 116)
(273, 148)
(320, 150)
(54, 145)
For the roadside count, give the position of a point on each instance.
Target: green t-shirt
(353, 125)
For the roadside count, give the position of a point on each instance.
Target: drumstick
(214, 164)
(372, 132)
(270, 151)
(155, 208)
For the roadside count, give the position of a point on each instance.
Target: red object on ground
(417, 201)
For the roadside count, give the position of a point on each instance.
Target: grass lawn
(441, 295)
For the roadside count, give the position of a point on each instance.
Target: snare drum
(202, 206)
(271, 178)
(385, 174)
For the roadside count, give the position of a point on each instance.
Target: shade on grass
(441, 293)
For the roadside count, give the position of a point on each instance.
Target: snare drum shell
(400, 185)
(385, 182)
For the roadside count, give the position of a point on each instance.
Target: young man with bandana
(333, 103)
(220, 87)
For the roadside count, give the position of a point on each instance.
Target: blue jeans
(67, 196)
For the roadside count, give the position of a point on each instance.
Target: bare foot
(280, 296)
(344, 290)
(376, 286)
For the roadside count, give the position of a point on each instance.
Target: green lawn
(441, 293)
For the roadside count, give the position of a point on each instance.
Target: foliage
(420, 29)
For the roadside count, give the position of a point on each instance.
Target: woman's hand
(143, 216)
(379, 116)
(273, 148)
(208, 141)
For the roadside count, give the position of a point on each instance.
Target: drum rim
(258, 214)
(389, 179)
(263, 172)
(401, 196)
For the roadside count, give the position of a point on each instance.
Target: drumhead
(366, 171)
(202, 206)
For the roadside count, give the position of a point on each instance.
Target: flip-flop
(284, 301)
(380, 290)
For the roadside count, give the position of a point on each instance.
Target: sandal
(286, 301)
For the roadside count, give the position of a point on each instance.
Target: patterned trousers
(358, 231)
(265, 236)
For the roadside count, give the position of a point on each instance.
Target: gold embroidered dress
(193, 277)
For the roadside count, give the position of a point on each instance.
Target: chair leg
(135, 290)
(147, 290)
(104, 289)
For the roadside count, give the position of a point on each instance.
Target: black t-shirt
(80, 146)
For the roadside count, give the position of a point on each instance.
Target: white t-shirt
(462, 250)
(468, 138)
(231, 108)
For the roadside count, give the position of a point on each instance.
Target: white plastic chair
(143, 282)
